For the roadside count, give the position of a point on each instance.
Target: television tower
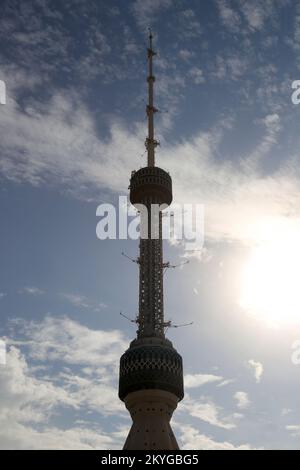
(151, 376)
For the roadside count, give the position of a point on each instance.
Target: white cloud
(77, 300)
(18, 436)
(66, 340)
(257, 368)
(31, 291)
(188, 24)
(226, 382)
(185, 54)
(249, 16)
(294, 429)
(204, 409)
(294, 41)
(237, 67)
(232, 67)
(83, 381)
(197, 380)
(83, 302)
(29, 402)
(197, 75)
(2, 352)
(229, 16)
(191, 438)
(242, 400)
(255, 13)
(145, 11)
(38, 146)
(271, 123)
(169, 90)
(32, 399)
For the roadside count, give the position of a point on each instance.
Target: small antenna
(169, 324)
(168, 265)
(182, 324)
(137, 261)
(130, 319)
(150, 142)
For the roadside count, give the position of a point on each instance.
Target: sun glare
(270, 281)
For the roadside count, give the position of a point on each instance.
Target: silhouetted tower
(151, 377)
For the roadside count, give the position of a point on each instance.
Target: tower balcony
(150, 185)
(151, 363)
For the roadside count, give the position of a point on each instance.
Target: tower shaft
(151, 297)
(151, 412)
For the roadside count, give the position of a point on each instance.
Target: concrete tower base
(151, 411)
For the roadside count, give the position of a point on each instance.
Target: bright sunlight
(270, 281)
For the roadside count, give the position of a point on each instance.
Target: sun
(270, 279)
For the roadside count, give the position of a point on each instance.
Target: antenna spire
(150, 142)
(151, 375)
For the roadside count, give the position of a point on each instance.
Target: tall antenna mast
(151, 142)
(151, 375)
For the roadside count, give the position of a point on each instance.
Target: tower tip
(150, 142)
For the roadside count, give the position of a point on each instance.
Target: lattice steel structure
(151, 377)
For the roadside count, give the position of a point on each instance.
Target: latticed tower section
(152, 188)
(151, 377)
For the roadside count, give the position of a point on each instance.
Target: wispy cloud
(206, 410)
(294, 429)
(196, 75)
(226, 382)
(185, 54)
(229, 16)
(83, 381)
(197, 380)
(29, 401)
(145, 11)
(66, 340)
(294, 41)
(257, 369)
(38, 145)
(188, 24)
(242, 400)
(249, 16)
(255, 13)
(31, 291)
(82, 301)
(230, 67)
(192, 438)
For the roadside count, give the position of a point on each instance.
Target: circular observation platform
(151, 364)
(150, 185)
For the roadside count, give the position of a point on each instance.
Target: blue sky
(71, 131)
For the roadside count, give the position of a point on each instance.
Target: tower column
(151, 411)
